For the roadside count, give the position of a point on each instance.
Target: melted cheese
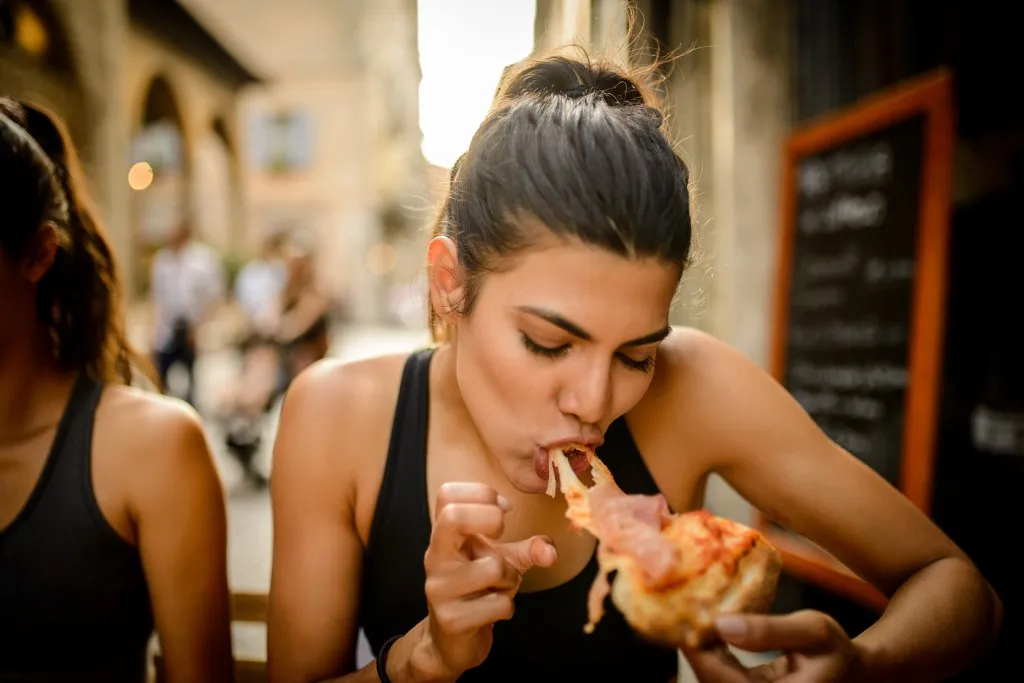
(552, 483)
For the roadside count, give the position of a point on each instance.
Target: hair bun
(577, 91)
(573, 79)
(615, 93)
(657, 118)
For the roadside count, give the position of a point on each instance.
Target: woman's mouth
(542, 461)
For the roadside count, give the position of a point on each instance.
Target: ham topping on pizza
(625, 524)
(673, 573)
(631, 525)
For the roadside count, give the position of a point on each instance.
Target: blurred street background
(309, 142)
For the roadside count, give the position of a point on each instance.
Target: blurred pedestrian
(304, 322)
(260, 282)
(293, 333)
(187, 284)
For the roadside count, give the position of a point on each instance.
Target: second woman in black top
(111, 512)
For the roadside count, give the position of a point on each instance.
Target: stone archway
(160, 176)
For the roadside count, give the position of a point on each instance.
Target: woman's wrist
(414, 659)
(868, 663)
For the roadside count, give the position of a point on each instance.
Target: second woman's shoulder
(143, 422)
(153, 451)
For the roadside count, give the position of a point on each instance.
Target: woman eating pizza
(406, 488)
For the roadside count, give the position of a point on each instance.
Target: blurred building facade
(332, 138)
(174, 124)
(138, 81)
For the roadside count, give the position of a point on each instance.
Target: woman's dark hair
(576, 144)
(29, 189)
(80, 298)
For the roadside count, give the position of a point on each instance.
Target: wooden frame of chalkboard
(917, 116)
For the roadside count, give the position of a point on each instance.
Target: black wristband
(382, 659)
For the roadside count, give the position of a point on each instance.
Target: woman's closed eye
(642, 365)
(645, 364)
(546, 351)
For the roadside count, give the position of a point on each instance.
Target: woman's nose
(587, 396)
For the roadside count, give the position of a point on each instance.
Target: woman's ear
(41, 254)
(445, 277)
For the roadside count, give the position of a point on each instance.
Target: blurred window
(281, 142)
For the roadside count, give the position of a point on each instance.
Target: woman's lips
(542, 463)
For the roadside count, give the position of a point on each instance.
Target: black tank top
(74, 607)
(544, 640)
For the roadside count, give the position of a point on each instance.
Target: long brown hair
(80, 299)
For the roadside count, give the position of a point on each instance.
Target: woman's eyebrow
(577, 331)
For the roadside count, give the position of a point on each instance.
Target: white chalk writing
(847, 335)
(850, 377)
(879, 271)
(833, 404)
(846, 211)
(818, 298)
(996, 431)
(814, 267)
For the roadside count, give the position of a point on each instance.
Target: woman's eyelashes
(643, 365)
(640, 365)
(545, 351)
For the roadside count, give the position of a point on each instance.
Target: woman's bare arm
(177, 504)
(335, 416)
(315, 576)
(942, 612)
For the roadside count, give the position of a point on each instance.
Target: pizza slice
(674, 574)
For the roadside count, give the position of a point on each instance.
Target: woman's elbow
(997, 614)
(987, 605)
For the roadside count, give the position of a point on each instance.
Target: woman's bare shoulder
(714, 398)
(696, 396)
(154, 430)
(689, 364)
(342, 396)
(335, 429)
(150, 455)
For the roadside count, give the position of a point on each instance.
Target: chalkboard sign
(861, 291)
(852, 290)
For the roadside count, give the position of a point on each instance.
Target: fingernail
(731, 626)
(504, 503)
(546, 554)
